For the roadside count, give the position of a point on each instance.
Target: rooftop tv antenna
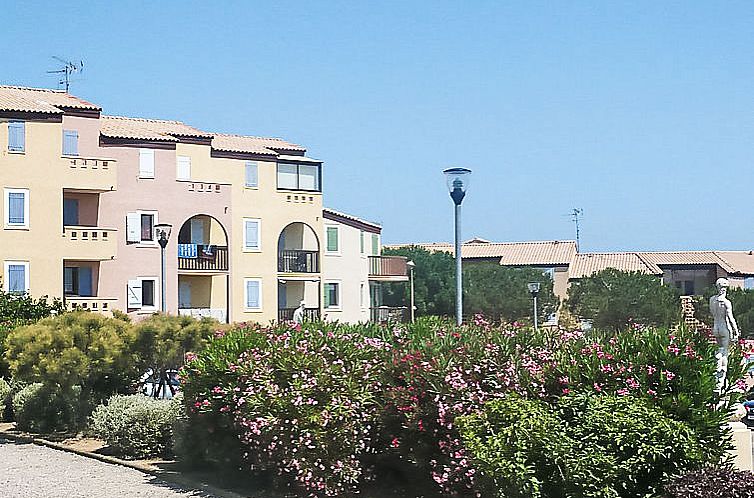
(576, 215)
(68, 68)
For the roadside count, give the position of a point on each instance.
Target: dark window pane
(147, 228)
(147, 292)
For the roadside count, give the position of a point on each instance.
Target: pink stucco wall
(174, 202)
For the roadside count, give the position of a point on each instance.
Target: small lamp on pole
(411, 265)
(162, 232)
(534, 291)
(458, 183)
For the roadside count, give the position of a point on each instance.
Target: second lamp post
(162, 230)
(458, 182)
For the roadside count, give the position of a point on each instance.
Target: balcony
(297, 261)
(89, 173)
(286, 314)
(202, 258)
(89, 243)
(385, 314)
(218, 314)
(388, 268)
(103, 305)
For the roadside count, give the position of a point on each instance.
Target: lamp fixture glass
(162, 233)
(458, 182)
(533, 287)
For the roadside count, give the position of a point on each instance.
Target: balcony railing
(202, 257)
(393, 267)
(295, 261)
(218, 314)
(98, 304)
(286, 314)
(384, 314)
(90, 173)
(89, 243)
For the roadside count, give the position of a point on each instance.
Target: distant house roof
(740, 262)
(148, 129)
(587, 264)
(539, 253)
(686, 258)
(253, 145)
(40, 100)
(347, 219)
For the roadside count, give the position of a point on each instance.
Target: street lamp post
(162, 230)
(458, 183)
(534, 291)
(411, 265)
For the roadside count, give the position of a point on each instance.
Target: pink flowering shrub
(302, 403)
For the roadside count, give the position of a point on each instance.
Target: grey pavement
(31, 471)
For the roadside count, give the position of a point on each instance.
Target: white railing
(217, 313)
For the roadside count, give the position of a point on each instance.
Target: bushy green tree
(500, 292)
(614, 299)
(434, 282)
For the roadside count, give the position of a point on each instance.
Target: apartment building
(84, 193)
(354, 271)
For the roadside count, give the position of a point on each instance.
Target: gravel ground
(31, 471)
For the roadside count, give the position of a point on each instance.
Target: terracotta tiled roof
(740, 261)
(21, 99)
(690, 258)
(339, 216)
(148, 129)
(541, 253)
(587, 264)
(253, 145)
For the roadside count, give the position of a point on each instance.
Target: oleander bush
(712, 482)
(136, 426)
(43, 408)
(325, 407)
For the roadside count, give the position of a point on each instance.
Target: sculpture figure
(725, 329)
(298, 315)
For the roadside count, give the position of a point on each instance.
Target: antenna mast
(68, 68)
(575, 216)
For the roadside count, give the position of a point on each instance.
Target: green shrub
(590, 446)
(614, 300)
(712, 483)
(136, 426)
(43, 409)
(5, 397)
(79, 348)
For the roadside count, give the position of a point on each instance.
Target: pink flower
(395, 443)
(622, 392)
(668, 374)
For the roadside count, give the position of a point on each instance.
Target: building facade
(84, 193)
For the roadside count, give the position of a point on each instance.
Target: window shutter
(17, 278)
(252, 235)
(146, 163)
(183, 171)
(134, 294)
(85, 281)
(252, 174)
(70, 143)
(133, 229)
(332, 239)
(375, 245)
(361, 241)
(16, 136)
(16, 208)
(252, 294)
(327, 295)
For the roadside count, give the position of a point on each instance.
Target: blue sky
(641, 113)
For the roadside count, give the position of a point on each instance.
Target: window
(16, 279)
(332, 239)
(142, 293)
(16, 136)
(749, 283)
(183, 168)
(70, 143)
(293, 176)
(140, 227)
(70, 212)
(77, 280)
(362, 296)
(16, 208)
(252, 174)
(375, 244)
(146, 163)
(332, 294)
(253, 293)
(251, 232)
(361, 241)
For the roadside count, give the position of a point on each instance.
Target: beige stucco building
(86, 195)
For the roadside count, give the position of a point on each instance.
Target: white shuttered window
(146, 163)
(251, 237)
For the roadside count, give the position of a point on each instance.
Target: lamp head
(533, 288)
(458, 183)
(162, 233)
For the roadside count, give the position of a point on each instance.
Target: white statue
(725, 329)
(298, 315)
